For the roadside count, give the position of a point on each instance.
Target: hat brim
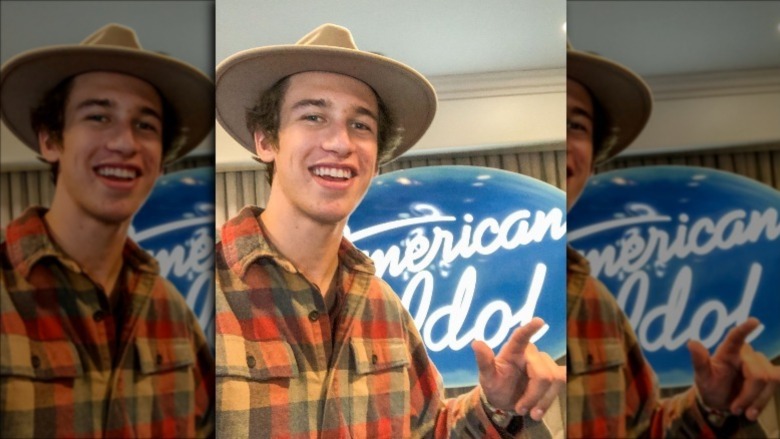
(622, 94)
(243, 77)
(27, 77)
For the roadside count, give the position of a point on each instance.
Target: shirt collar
(29, 242)
(244, 241)
(576, 262)
(577, 272)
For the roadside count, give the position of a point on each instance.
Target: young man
(309, 342)
(612, 391)
(94, 342)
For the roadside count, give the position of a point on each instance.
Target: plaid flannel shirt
(281, 374)
(58, 377)
(612, 391)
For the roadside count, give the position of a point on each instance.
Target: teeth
(117, 172)
(333, 172)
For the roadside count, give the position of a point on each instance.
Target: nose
(123, 140)
(338, 141)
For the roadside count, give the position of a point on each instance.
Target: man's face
(579, 140)
(327, 151)
(111, 148)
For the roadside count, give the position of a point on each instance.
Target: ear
(264, 148)
(50, 148)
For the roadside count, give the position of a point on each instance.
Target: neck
(96, 246)
(311, 246)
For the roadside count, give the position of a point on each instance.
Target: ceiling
(183, 29)
(437, 37)
(678, 37)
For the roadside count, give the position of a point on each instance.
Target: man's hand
(735, 378)
(520, 377)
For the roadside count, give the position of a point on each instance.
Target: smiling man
(612, 390)
(310, 343)
(94, 342)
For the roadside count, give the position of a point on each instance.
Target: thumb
(700, 359)
(484, 356)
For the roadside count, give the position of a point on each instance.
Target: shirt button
(159, 359)
(314, 315)
(99, 316)
(374, 359)
(36, 362)
(250, 361)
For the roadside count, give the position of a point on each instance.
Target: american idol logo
(176, 226)
(472, 252)
(688, 252)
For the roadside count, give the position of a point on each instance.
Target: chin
(331, 216)
(115, 214)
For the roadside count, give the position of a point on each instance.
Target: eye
(96, 117)
(147, 126)
(362, 126)
(312, 118)
(575, 126)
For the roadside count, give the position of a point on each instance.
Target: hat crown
(26, 78)
(113, 34)
(329, 35)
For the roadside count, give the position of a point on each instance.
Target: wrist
(715, 417)
(508, 420)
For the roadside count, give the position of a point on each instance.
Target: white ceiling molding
(725, 83)
(497, 84)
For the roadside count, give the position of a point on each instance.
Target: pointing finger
(736, 338)
(519, 340)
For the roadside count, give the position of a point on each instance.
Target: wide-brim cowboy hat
(243, 77)
(26, 78)
(624, 97)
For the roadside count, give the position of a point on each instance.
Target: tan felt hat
(243, 77)
(27, 77)
(621, 93)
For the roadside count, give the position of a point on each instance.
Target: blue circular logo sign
(473, 253)
(176, 226)
(688, 252)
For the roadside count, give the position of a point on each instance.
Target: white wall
(711, 110)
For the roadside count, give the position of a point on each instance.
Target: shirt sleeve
(203, 371)
(204, 383)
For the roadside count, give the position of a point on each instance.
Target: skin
(330, 120)
(735, 378)
(326, 121)
(520, 377)
(112, 122)
(579, 140)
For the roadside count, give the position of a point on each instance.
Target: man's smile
(330, 172)
(118, 172)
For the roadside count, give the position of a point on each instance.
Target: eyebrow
(107, 103)
(322, 103)
(577, 111)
